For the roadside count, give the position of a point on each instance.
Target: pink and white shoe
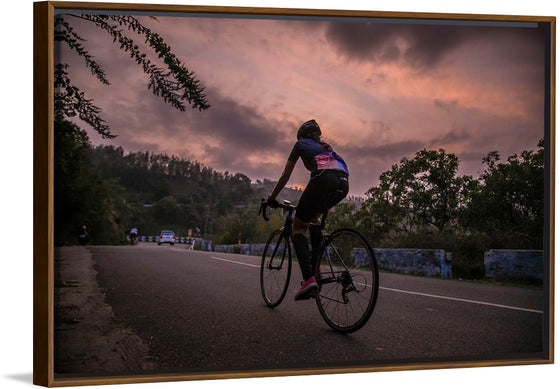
(307, 290)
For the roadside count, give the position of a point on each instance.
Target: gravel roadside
(88, 338)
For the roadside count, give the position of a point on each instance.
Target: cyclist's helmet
(308, 129)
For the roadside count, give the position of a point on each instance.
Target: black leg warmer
(316, 240)
(302, 252)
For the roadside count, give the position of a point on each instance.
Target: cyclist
(82, 234)
(133, 234)
(328, 185)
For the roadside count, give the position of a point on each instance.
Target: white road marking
(239, 263)
(420, 294)
(463, 300)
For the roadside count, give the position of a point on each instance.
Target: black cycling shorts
(325, 189)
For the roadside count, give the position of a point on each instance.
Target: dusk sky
(379, 91)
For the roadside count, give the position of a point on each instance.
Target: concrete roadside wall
(499, 264)
(246, 249)
(424, 262)
(514, 264)
(406, 261)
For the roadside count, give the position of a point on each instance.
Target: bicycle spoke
(349, 281)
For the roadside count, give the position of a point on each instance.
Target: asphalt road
(203, 311)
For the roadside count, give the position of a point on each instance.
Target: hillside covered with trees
(110, 191)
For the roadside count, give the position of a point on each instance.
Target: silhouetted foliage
(508, 207)
(422, 203)
(175, 84)
(175, 192)
(80, 195)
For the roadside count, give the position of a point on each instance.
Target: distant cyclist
(133, 234)
(328, 185)
(82, 234)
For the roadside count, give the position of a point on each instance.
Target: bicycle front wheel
(348, 280)
(276, 267)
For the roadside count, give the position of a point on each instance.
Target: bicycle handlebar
(262, 209)
(287, 206)
(264, 204)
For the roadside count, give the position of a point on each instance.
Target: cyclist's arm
(283, 180)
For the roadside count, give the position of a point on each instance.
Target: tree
(423, 192)
(175, 84)
(81, 196)
(237, 226)
(344, 214)
(168, 212)
(509, 205)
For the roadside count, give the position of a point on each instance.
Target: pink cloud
(471, 93)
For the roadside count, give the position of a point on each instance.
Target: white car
(166, 236)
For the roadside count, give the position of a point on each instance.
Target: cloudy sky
(379, 90)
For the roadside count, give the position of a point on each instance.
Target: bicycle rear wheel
(348, 280)
(276, 267)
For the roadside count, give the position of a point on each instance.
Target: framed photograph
(232, 192)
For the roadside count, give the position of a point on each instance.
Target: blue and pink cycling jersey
(315, 157)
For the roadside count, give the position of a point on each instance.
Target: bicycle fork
(276, 247)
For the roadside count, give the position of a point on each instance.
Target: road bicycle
(344, 266)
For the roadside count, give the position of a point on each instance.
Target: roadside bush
(467, 250)
(468, 258)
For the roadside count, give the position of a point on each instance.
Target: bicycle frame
(343, 277)
(285, 232)
(340, 276)
(323, 248)
(276, 246)
(332, 263)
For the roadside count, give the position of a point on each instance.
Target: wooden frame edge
(161, 378)
(77, 5)
(42, 199)
(552, 182)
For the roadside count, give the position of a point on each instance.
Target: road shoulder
(88, 338)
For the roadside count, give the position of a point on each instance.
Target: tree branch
(63, 32)
(182, 87)
(70, 102)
